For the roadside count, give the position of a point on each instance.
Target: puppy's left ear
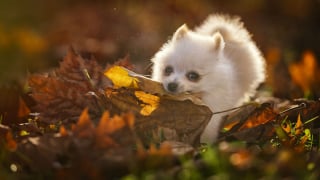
(218, 42)
(181, 32)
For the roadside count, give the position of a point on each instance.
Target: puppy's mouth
(175, 89)
(195, 97)
(196, 94)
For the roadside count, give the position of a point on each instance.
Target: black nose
(172, 87)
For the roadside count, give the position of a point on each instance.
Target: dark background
(35, 34)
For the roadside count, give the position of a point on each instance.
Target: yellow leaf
(307, 136)
(24, 133)
(151, 102)
(120, 77)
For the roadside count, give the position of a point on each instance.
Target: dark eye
(168, 70)
(193, 76)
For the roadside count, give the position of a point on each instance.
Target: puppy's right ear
(218, 42)
(181, 32)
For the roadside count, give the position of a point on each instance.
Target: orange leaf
(165, 149)
(303, 73)
(115, 124)
(261, 115)
(103, 123)
(63, 131)
(286, 127)
(103, 139)
(298, 127)
(84, 119)
(84, 126)
(109, 125)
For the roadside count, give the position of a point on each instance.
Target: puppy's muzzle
(172, 87)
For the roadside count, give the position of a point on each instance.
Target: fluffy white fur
(222, 53)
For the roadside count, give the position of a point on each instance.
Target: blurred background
(35, 36)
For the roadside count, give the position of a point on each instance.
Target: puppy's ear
(218, 42)
(181, 32)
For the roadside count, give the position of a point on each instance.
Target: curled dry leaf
(185, 119)
(159, 115)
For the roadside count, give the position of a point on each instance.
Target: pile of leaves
(100, 123)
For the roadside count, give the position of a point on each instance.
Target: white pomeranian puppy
(218, 60)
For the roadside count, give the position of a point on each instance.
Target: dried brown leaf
(184, 118)
(62, 94)
(252, 123)
(84, 150)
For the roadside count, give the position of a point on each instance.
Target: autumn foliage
(66, 114)
(95, 122)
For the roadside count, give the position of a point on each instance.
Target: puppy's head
(187, 62)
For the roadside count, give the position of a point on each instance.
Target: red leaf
(11, 144)
(65, 92)
(23, 109)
